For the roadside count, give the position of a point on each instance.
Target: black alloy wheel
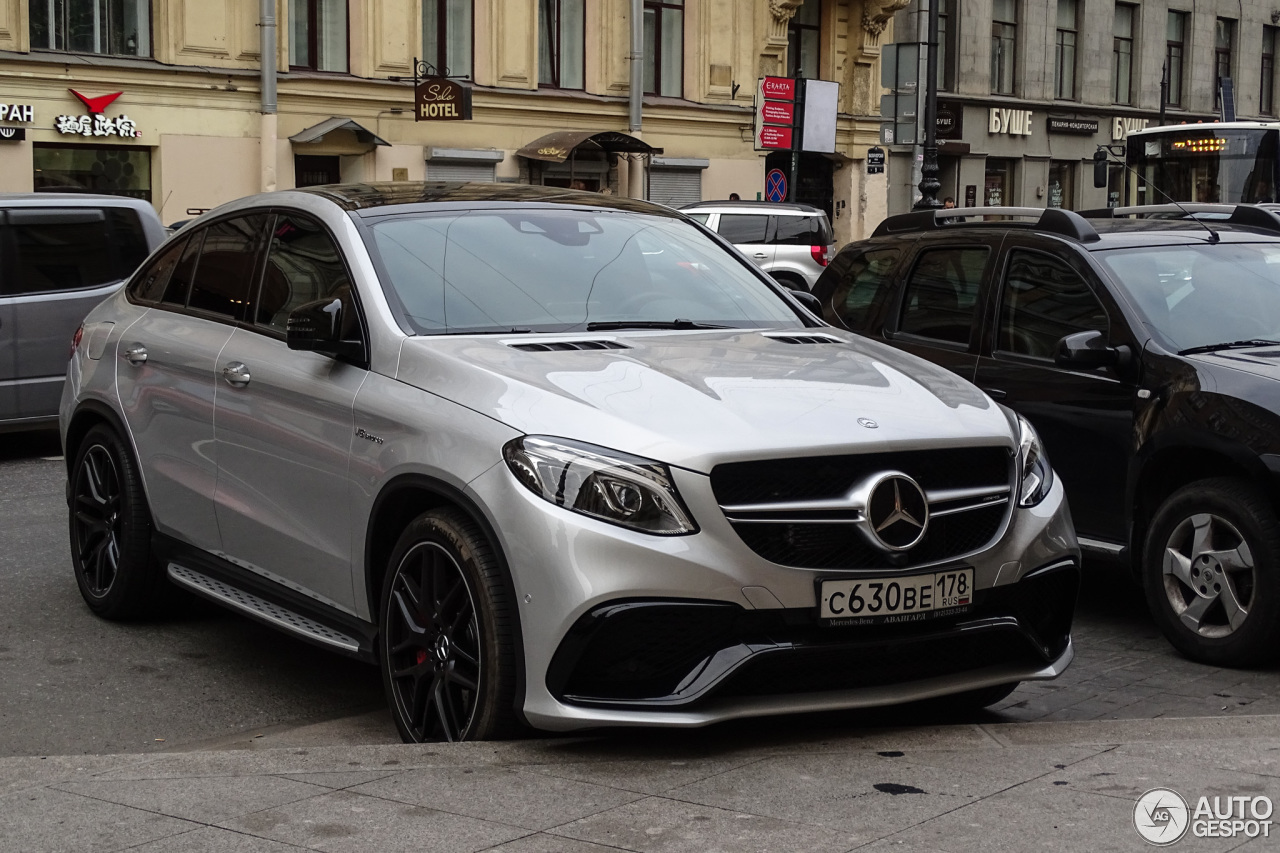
(110, 528)
(446, 650)
(1210, 567)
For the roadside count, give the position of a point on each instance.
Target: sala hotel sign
(441, 99)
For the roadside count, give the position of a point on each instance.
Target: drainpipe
(267, 52)
(635, 180)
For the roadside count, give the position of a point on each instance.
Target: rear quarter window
(802, 231)
(72, 248)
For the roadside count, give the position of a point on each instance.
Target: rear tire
(1211, 572)
(789, 281)
(447, 636)
(110, 527)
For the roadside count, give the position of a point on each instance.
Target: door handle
(236, 374)
(994, 393)
(760, 255)
(136, 354)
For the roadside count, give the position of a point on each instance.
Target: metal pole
(637, 64)
(1164, 89)
(268, 58)
(797, 142)
(929, 184)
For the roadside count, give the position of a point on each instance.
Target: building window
(1064, 54)
(804, 40)
(946, 44)
(1122, 54)
(664, 47)
(1004, 44)
(1267, 89)
(318, 34)
(117, 27)
(447, 36)
(1224, 37)
(560, 43)
(1175, 50)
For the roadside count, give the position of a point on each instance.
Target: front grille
(841, 546)
(821, 477)
(837, 537)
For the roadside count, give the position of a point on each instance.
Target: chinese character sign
(98, 125)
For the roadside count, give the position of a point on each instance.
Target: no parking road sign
(775, 185)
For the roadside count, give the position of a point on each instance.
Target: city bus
(1222, 162)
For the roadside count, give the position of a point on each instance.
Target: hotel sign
(441, 99)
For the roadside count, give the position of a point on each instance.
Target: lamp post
(929, 184)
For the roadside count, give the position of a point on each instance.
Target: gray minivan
(60, 255)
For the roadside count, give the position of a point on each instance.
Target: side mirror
(1100, 169)
(1086, 350)
(317, 327)
(809, 301)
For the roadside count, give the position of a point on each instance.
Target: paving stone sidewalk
(989, 787)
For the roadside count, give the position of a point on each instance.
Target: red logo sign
(96, 105)
(778, 88)
(775, 137)
(778, 112)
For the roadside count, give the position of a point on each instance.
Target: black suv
(1144, 346)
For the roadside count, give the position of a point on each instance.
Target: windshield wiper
(1252, 342)
(607, 325)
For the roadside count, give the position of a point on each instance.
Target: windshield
(1205, 165)
(562, 270)
(1197, 296)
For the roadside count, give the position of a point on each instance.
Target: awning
(317, 132)
(560, 146)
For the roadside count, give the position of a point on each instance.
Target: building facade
(1028, 89)
(163, 99)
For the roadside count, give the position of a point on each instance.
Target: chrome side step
(261, 609)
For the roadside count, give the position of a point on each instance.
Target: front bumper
(623, 628)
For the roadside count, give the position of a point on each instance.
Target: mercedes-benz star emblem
(898, 512)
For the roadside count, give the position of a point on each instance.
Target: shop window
(942, 293)
(1175, 52)
(318, 34)
(118, 170)
(1064, 85)
(447, 36)
(1062, 184)
(1122, 53)
(998, 183)
(804, 40)
(116, 27)
(560, 43)
(664, 47)
(1043, 301)
(1004, 45)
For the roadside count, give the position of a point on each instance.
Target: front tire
(1210, 568)
(446, 638)
(110, 526)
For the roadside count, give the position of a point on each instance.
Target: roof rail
(1055, 220)
(1245, 215)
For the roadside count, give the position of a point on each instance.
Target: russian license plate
(864, 601)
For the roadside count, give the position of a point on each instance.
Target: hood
(697, 398)
(1263, 362)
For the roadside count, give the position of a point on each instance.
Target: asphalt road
(204, 678)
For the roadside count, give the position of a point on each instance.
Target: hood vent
(553, 346)
(805, 339)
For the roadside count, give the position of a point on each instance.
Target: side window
(863, 287)
(942, 293)
(150, 283)
(744, 227)
(129, 238)
(175, 292)
(698, 217)
(227, 261)
(304, 264)
(60, 249)
(1043, 300)
(800, 231)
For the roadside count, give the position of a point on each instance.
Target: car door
(1084, 417)
(165, 378)
(939, 312)
(65, 261)
(285, 422)
(752, 233)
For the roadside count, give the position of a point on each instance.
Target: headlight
(629, 491)
(1034, 473)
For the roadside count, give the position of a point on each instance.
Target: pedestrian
(734, 197)
(948, 203)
